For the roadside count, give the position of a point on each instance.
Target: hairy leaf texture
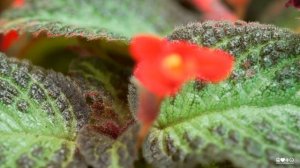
(104, 83)
(50, 120)
(247, 121)
(41, 113)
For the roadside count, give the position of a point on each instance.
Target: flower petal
(163, 66)
(8, 40)
(18, 3)
(154, 80)
(188, 53)
(214, 65)
(146, 47)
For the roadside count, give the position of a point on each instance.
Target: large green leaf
(45, 118)
(63, 29)
(247, 121)
(40, 115)
(97, 18)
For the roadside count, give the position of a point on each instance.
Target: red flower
(295, 3)
(163, 66)
(8, 39)
(18, 3)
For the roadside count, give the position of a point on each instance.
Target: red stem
(148, 111)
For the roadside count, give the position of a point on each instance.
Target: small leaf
(51, 30)
(109, 138)
(40, 114)
(247, 121)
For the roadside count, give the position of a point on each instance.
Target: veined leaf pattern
(247, 121)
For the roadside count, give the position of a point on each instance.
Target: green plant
(64, 90)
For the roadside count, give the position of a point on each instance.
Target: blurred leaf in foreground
(94, 18)
(295, 3)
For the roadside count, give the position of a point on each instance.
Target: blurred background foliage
(62, 47)
(264, 11)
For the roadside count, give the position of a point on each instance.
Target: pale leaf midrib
(30, 134)
(199, 115)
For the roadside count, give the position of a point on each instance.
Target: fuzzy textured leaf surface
(104, 83)
(102, 151)
(97, 18)
(109, 138)
(40, 114)
(248, 120)
(45, 118)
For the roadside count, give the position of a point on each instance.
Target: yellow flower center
(173, 64)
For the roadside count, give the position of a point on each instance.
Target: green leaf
(104, 83)
(248, 120)
(103, 151)
(40, 114)
(49, 120)
(97, 19)
(109, 138)
(63, 29)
